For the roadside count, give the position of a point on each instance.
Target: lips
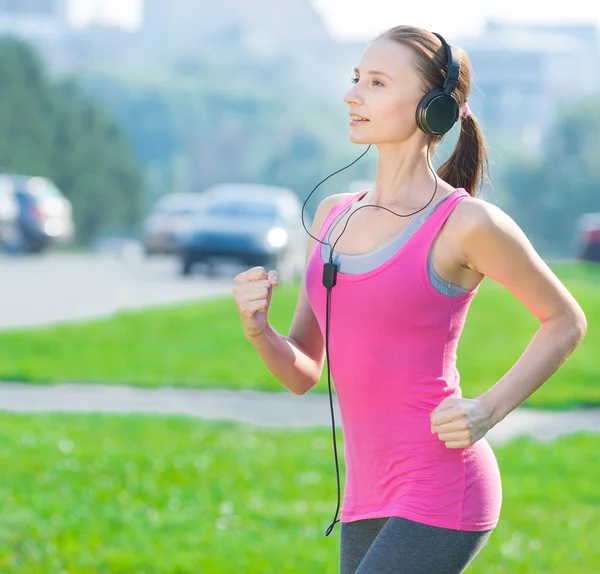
(356, 117)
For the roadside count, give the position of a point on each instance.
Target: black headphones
(437, 112)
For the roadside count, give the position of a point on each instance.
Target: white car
(171, 216)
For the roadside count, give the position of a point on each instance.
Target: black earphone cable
(329, 279)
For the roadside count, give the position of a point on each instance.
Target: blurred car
(170, 217)
(251, 224)
(44, 216)
(588, 237)
(9, 211)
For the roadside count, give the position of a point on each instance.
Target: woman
(423, 490)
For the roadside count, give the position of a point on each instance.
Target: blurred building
(264, 26)
(180, 26)
(523, 73)
(35, 20)
(291, 32)
(287, 39)
(46, 25)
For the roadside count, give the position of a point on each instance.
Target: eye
(375, 82)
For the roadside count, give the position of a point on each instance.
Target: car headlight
(277, 237)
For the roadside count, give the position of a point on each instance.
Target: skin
(478, 240)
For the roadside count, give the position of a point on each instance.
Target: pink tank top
(392, 345)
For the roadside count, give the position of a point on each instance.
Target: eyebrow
(375, 73)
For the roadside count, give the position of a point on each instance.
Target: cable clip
(329, 274)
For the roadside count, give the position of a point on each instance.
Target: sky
(125, 13)
(360, 20)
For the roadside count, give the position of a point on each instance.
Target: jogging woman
(423, 489)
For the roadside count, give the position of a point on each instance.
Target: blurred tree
(548, 194)
(240, 120)
(54, 129)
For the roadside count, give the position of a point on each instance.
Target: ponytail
(467, 165)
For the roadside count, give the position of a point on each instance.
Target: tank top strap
(336, 210)
(436, 219)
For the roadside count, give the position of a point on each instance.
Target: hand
(252, 292)
(461, 422)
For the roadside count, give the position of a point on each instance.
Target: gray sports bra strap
(360, 263)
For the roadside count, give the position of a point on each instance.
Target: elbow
(310, 380)
(582, 325)
(572, 326)
(579, 326)
(304, 390)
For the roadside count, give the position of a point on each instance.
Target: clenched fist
(252, 291)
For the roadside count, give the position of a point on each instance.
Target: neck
(404, 180)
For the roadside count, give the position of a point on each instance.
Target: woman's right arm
(297, 359)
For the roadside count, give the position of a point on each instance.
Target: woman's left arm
(495, 245)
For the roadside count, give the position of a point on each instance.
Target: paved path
(55, 288)
(277, 409)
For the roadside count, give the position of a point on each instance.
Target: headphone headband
(453, 59)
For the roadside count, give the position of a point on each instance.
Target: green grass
(202, 345)
(129, 494)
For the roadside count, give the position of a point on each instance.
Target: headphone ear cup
(437, 112)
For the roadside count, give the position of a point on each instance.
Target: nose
(352, 97)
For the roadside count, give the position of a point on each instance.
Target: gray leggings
(397, 545)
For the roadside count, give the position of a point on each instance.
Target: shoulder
(324, 208)
(332, 200)
(484, 230)
(475, 215)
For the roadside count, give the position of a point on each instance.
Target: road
(41, 290)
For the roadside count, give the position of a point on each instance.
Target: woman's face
(387, 99)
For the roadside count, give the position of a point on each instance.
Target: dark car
(43, 214)
(249, 224)
(588, 237)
